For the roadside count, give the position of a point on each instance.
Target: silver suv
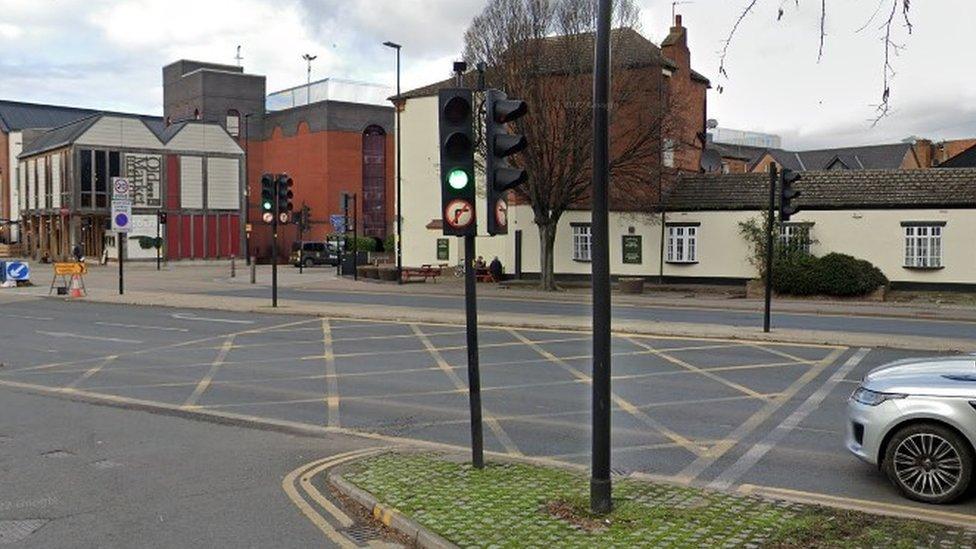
(916, 419)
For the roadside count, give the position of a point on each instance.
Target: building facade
(191, 171)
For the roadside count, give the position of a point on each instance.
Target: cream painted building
(917, 226)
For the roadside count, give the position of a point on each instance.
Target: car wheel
(309, 263)
(929, 462)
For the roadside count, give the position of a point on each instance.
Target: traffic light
(499, 174)
(457, 161)
(787, 194)
(162, 218)
(267, 197)
(285, 195)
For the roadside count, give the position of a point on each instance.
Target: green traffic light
(266, 205)
(457, 179)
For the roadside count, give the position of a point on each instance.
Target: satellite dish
(711, 123)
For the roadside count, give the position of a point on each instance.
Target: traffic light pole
(159, 245)
(771, 220)
(474, 374)
(274, 249)
(600, 484)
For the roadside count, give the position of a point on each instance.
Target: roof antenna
(675, 4)
(238, 56)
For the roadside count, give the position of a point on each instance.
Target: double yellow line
(299, 482)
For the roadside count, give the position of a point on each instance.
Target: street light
(399, 219)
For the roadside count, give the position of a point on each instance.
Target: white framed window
(795, 237)
(923, 245)
(667, 153)
(682, 243)
(581, 242)
(233, 124)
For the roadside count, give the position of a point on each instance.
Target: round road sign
(268, 217)
(121, 186)
(501, 212)
(459, 213)
(121, 220)
(283, 217)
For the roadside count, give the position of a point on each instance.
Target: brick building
(331, 136)
(322, 134)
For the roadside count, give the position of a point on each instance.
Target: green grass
(517, 505)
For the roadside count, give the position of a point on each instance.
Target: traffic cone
(75, 286)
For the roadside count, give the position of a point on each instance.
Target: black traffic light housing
(500, 176)
(456, 129)
(267, 197)
(787, 194)
(162, 218)
(284, 184)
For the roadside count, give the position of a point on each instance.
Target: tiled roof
(857, 189)
(60, 136)
(17, 115)
(631, 49)
(870, 157)
(965, 159)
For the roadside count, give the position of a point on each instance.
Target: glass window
(667, 153)
(233, 123)
(581, 242)
(923, 246)
(682, 244)
(795, 237)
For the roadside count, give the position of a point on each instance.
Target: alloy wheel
(927, 465)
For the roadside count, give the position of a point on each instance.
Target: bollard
(233, 266)
(254, 270)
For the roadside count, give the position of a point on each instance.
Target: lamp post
(247, 188)
(399, 219)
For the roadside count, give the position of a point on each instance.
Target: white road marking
(761, 448)
(27, 317)
(141, 327)
(191, 316)
(94, 338)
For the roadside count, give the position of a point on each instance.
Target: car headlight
(873, 398)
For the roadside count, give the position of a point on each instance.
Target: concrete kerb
(541, 322)
(389, 516)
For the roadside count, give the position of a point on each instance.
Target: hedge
(834, 274)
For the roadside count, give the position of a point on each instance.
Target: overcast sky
(108, 54)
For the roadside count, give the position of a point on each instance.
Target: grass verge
(518, 505)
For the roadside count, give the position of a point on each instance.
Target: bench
(484, 275)
(423, 272)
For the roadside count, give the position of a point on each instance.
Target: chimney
(675, 45)
(923, 152)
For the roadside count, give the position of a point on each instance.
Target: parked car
(314, 253)
(916, 420)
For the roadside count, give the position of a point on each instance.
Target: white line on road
(191, 316)
(27, 317)
(94, 338)
(761, 448)
(141, 327)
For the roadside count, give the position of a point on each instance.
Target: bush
(834, 274)
(843, 275)
(797, 275)
(389, 244)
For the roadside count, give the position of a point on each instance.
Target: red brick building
(328, 146)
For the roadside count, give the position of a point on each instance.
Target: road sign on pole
(121, 216)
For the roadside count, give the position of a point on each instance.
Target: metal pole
(159, 245)
(119, 242)
(355, 239)
(247, 190)
(474, 375)
(771, 219)
(301, 243)
(274, 249)
(399, 167)
(600, 484)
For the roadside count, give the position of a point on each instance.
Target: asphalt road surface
(730, 414)
(860, 324)
(80, 475)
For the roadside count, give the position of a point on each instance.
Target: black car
(314, 253)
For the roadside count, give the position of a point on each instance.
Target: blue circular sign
(121, 220)
(17, 270)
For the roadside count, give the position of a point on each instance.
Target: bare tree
(541, 51)
(890, 12)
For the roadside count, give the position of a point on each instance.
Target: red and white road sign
(283, 217)
(267, 217)
(459, 213)
(501, 212)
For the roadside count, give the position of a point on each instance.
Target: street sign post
(121, 221)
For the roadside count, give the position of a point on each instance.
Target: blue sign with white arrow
(16, 270)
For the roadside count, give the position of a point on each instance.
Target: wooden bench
(484, 275)
(423, 272)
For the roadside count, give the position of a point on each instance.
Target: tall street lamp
(399, 218)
